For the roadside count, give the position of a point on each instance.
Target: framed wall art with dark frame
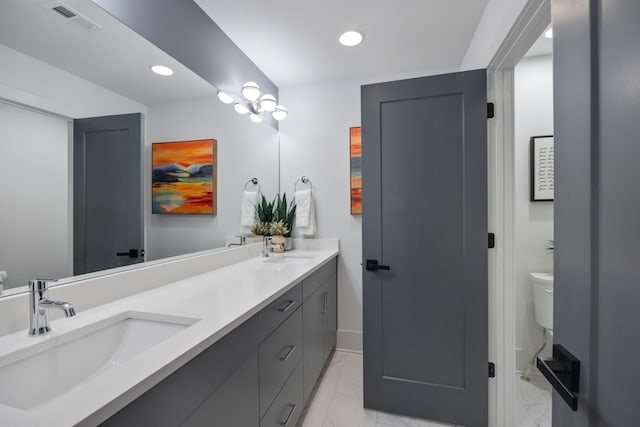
(542, 168)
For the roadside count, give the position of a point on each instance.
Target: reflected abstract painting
(184, 177)
(355, 144)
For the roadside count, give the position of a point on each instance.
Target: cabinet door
(234, 404)
(313, 332)
(330, 313)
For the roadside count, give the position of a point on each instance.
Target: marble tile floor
(338, 400)
(532, 403)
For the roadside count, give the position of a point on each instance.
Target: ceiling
(295, 42)
(113, 56)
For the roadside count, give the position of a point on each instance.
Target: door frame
(534, 19)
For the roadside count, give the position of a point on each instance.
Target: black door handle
(372, 265)
(563, 372)
(132, 253)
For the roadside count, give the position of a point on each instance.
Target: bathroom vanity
(241, 345)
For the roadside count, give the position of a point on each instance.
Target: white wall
(245, 150)
(34, 195)
(533, 220)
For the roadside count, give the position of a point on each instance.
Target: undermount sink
(290, 259)
(51, 367)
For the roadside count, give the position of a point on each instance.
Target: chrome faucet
(266, 245)
(243, 241)
(39, 303)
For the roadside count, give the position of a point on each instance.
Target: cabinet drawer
(287, 407)
(234, 404)
(313, 282)
(276, 312)
(279, 355)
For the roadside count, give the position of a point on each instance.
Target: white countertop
(222, 299)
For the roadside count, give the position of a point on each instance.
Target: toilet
(542, 284)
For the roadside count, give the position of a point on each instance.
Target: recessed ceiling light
(549, 33)
(162, 70)
(351, 38)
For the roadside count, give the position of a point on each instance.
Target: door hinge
(492, 240)
(492, 370)
(491, 110)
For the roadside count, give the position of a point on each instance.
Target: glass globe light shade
(255, 118)
(240, 109)
(225, 97)
(268, 102)
(251, 91)
(279, 112)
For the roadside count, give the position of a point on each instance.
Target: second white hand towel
(248, 214)
(305, 213)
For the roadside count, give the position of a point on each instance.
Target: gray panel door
(108, 215)
(597, 272)
(425, 216)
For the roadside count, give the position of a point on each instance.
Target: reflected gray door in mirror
(108, 218)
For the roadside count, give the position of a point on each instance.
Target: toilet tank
(542, 284)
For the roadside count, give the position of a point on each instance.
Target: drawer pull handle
(286, 306)
(289, 415)
(288, 354)
(325, 302)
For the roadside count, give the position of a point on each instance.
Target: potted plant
(260, 229)
(265, 212)
(285, 213)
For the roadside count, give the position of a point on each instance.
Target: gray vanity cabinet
(234, 404)
(261, 374)
(184, 392)
(319, 323)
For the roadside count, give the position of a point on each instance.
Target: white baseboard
(350, 341)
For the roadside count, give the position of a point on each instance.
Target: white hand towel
(305, 213)
(249, 201)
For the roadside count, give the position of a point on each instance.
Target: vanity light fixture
(549, 33)
(162, 70)
(351, 38)
(225, 97)
(256, 104)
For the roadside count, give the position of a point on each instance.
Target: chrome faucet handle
(40, 285)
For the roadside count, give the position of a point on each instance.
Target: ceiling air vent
(71, 15)
(63, 11)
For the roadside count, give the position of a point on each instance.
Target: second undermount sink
(290, 259)
(53, 366)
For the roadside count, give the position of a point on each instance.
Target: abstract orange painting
(184, 177)
(355, 144)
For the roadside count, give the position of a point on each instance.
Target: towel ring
(253, 181)
(304, 180)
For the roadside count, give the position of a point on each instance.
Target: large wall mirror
(57, 69)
